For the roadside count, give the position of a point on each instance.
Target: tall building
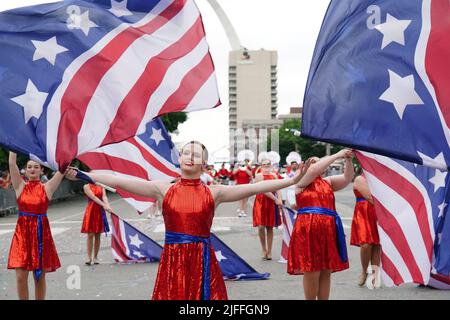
(252, 80)
(253, 98)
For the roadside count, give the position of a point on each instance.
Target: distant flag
(128, 244)
(379, 79)
(149, 156)
(411, 204)
(288, 217)
(80, 74)
(232, 265)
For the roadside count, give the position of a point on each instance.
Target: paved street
(135, 281)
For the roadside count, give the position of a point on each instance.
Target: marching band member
(188, 268)
(242, 175)
(32, 247)
(317, 247)
(364, 232)
(95, 221)
(266, 212)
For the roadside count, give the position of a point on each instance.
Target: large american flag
(149, 156)
(76, 75)
(411, 204)
(379, 79)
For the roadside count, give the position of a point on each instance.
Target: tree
(304, 146)
(172, 120)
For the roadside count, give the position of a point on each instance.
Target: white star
(438, 162)
(156, 135)
(120, 9)
(48, 50)
(138, 254)
(219, 256)
(439, 237)
(401, 92)
(135, 241)
(441, 208)
(81, 22)
(393, 30)
(32, 101)
(439, 179)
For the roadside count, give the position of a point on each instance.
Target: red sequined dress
(265, 212)
(93, 218)
(364, 224)
(188, 208)
(313, 244)
(24, 252)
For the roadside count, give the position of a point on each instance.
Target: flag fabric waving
(232, 265)
(379, 79)
(288, 217)
(440, 282)
(128, 244)
(76, 75)
(411, 204)
(149, 156)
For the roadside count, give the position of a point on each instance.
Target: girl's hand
(71, 173)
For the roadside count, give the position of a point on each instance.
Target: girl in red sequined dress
(32, 247)
(95, 221)
(188, 269)
(266, 213)
(317, 247)
(364, 228)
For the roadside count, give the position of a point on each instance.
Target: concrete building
(252, 86)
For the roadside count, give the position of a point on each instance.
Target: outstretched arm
(16, 180)
(141, 187)
(53, 184)
(235, 193)
(341, 181)
(319, 167)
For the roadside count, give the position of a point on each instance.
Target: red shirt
(242, 177)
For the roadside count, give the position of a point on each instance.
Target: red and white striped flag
(410, 203)
(288, 217)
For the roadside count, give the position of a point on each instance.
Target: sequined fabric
(313, 244)
(264, 209)
(24, 251)
(188, 208)
(93, 220)
(364, 224)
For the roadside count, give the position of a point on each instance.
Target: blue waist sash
(181, 238)
(37, 272)
(360, 199)
(340, 235)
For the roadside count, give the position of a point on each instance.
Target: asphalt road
(110, 280)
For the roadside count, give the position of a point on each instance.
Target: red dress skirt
(313, 245)
(93, 216)
(188, 208)
(265, 211)
(364, 224)
(24, 251)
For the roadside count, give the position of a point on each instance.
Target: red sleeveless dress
(364, 224)
(24, 251)
(188, 208)
(265, 212)
(313, 244)
(93, 219)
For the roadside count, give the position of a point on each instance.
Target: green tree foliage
(306, 147)
(172, 120)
